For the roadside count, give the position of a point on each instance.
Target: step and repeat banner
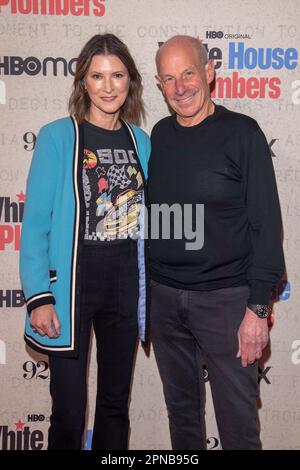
(255, 47)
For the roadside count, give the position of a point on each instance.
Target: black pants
(191, 329)
(109, 303)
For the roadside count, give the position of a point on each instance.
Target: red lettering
(263, 83)
(62, 7)
(17, 237)
(35, 7)
(274, 84)
(8, 235)
(77, 7)
(252, 88)
(47, 7)
(99, 9)
(86, 10)
(240, 87)
(24, 7)
(3, 3)
(54, 7)
(222, 84)
(14, 6)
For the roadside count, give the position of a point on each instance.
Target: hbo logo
(214, 34)
(35, 418)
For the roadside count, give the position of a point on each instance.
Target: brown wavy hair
(107, 44)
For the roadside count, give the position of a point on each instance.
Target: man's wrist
(262, 311)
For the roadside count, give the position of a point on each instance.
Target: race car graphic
(122, 217)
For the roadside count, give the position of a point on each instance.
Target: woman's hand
(45, 321)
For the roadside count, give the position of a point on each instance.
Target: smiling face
(107, 84)
(185, 81)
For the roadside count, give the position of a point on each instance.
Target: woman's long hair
(107, 44)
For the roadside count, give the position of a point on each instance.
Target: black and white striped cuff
(52, 274)
(43, 298)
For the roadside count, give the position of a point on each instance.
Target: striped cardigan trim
(37, 300)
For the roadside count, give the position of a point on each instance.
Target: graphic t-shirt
(112, 185)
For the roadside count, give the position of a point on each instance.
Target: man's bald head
(184, 74)
(181, 41)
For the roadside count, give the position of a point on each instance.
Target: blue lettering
(278, 51)
(265, 60)
(236, 55)
(262, 58)
(291, 56)
(286, 293)
(250, 58)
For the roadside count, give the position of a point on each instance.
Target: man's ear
(209, 71)
(159, 83)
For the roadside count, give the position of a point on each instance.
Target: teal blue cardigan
(52, 233)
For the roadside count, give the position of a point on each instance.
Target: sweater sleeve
(263, 209)
(34, 249)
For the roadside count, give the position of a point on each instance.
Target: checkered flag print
(117, 177)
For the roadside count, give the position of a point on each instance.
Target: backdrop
(255, 47)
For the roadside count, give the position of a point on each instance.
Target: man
(210, 305)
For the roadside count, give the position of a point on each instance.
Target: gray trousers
(191, 329)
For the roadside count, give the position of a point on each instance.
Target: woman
(82, 258)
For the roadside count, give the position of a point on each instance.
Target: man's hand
(253, 336)
(45, 321)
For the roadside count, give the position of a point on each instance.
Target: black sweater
(224, 163)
